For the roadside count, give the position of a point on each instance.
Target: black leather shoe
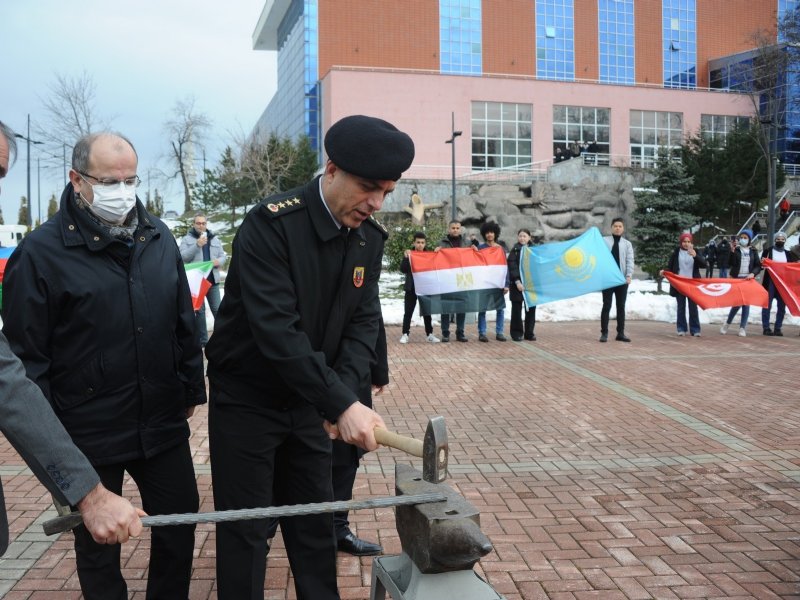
(516, 338)
(621, 337)
(603, 337)
(357, 547)
(768, 331)
(531, 337)
(481, 338)
(777, 333)
(462, 338)
(500, 337)
(445, 338)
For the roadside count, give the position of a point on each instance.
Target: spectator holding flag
(454, 239)
(491, 234)
(201, 245)
(686, 262)
(779, 254)
(745, 264)
(515, 292)
(410, 300)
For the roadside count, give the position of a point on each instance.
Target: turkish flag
(720, 293)
(786, 277)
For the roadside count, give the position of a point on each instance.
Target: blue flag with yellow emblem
(567, 269)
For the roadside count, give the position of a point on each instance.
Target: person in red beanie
(686, 262)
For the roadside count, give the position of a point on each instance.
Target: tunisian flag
(720, 293)
(786, 277)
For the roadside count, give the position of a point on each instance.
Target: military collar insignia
(286, 205)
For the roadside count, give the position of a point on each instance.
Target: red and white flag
(197, 275)
(786, 277)
(720, 293)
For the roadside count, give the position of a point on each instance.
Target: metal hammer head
(435, 451)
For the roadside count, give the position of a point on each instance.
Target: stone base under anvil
(399, 576)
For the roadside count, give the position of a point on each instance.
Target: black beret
(369, 147)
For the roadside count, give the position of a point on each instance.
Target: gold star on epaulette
(284, 206)
(379, 224)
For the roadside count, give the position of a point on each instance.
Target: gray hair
(10, 137)
(83, 147)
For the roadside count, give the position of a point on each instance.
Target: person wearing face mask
(745, 264)
(777, 253)
(97, 306)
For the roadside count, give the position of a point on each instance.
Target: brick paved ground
(665, 468)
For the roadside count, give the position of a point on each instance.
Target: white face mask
(113, 203)
(743, 241)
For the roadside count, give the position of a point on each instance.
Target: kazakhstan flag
(567, 269)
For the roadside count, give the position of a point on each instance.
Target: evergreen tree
(52, 206)
(662, 215)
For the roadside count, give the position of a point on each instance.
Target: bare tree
(767, 87)
(186, 129)
(274, 164)
(69, 113)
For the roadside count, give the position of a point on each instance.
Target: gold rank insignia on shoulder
(358, 276)
(284, 206)
(378, 223)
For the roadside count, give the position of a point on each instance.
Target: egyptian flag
(197, 274)
(459, 280)
(786, 277)
(4, 254)
(720, 293)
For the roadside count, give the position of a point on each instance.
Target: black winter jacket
(673, 267)
(767, 253)
(513, 272)
(107, 332)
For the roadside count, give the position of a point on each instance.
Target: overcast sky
(143, 56)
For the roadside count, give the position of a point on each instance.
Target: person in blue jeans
(777, 253)
(745, 264)
(686, 262)
(491, 234)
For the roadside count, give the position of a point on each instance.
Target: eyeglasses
(111, 183)
(199, 222)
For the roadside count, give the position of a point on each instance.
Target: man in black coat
(29, 423)
(292, 349)
(97, 306)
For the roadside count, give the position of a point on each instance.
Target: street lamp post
(29, 142)
(452, 142)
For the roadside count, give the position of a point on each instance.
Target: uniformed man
(293, 344)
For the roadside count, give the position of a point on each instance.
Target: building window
(555, 40)
(501, 135)
(616, 37)
(679, 19)
(460, 37)
(587, 125)
(715, 128)
(653, 130)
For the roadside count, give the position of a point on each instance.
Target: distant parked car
(170, 214)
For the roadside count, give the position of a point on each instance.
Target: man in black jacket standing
(454, 239)
(292, 349)
(97, 307)
(28, 421)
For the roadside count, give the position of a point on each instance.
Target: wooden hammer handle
(400, 442)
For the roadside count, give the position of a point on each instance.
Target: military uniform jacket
(300, 317)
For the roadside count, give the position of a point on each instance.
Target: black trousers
(516, 329)
(410, 301)
(167, 485)
(620, 294)
(346, 458)
(264, 457)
